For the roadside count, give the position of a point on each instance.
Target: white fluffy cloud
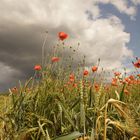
(107, 40)
(136, 2)
(100, 37)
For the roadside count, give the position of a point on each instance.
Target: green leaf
(68, 116)
(76, 102)
(90, 97)
(92, 135)
(71, 136)
(122, 93)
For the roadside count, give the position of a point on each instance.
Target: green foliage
(71, 136)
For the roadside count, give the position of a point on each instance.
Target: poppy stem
(43, 50)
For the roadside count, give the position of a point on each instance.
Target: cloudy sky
(106, 29)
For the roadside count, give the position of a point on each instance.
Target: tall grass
(50, 106)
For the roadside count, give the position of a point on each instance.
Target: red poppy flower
(94, 68)
(96, 87)
(137, 63)
(127, 80)
(114, 82)
(75, 85)
(37, 67)
(85, 73)
(106, 88)
(126, 91)
(55, 59)
(117, 73)
(114, 79)
(14, 90)
(62, 35)
(131, 77)
(72, 77)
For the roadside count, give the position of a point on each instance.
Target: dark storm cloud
(21, 47)
(20, 44)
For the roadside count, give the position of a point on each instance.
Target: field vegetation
(64, 102)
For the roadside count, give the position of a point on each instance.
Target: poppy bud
(62, 35)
